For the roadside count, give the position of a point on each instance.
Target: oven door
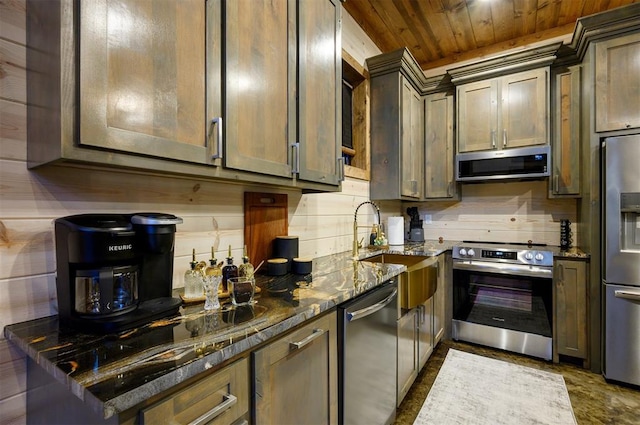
(503, 305)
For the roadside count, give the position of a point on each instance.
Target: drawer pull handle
(228, 401)
(218, 154)
(298, 345)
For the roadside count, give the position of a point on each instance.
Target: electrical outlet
(427, 219)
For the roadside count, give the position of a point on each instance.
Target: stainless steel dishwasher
(367, 335)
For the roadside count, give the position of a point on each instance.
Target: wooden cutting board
(265, 217)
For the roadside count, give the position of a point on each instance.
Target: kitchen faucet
(356, 245)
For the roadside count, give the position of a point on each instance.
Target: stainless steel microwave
(517, 163)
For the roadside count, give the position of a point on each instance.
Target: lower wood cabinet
(570, 321)
(439, 301)
(415, 344)
(220, 399)
(425, 332)
(295, 376)
(407, 352)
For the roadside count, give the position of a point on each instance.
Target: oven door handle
(503, 268)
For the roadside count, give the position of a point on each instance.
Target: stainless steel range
(502, 297)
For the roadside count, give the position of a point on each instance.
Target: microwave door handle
(628, 295)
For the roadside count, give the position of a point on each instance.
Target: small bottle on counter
(212, 279)
(246, 268)
(229, 270)
(373, 235)
(193, 282)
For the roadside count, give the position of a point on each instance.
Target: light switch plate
(427, 219)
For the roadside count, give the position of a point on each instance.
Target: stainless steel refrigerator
(621, 268)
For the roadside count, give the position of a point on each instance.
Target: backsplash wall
(511, 211)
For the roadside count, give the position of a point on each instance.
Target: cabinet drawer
(220, 398)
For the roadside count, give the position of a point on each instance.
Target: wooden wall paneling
(13, 410)
(14, 75)
(25, 298)
(26, 247)
(355, 41)
(12, 21)
(13, 370)
(13, 130)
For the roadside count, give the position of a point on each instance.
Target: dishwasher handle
(364, 312)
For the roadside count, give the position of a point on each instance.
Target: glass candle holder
(211, 284)
(241, 290)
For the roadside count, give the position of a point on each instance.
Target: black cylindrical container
(155, 241)
(286, 247)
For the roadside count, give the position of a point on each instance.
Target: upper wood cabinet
(439, 148)
(617, 99)
(224, 90)
(260, 93)
(505, 112)
(320, 91)
(397, 127)
(566, 147)
(142, 86)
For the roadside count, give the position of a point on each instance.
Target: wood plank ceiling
(441, 32)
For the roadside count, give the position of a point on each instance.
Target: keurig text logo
(113, 248)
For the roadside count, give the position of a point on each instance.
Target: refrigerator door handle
(628, 295)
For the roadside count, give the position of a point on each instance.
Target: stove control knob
(528, 256)
(463, 252)
(539, 257)
(471, 252)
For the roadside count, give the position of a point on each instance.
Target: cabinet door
(320, 103)
(295, 377)
(566, 144)
(220, 398)
(412, 136)
(439, 301)
(260, 86)
(439, 178)
(618, 83)
(142, 82)
(407, 352)
(524, 109)
(570, 320)
(425, 332)
(477, 116)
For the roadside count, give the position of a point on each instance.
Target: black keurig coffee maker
(115, 271)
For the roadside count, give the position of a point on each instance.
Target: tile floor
(594, 400)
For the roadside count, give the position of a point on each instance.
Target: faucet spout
(356, 245)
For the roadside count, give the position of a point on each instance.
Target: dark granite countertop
(112, 373)
(115, 372)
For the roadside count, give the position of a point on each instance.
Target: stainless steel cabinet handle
(504, 137)
(561, 274)
(298, 345)
(218, 154)
(493, 139)
(359, 314)
(228, 401)
(628, 295)
(555, 183)
(295, 169)
(341, 169)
